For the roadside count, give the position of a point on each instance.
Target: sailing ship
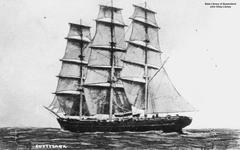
(108, 84)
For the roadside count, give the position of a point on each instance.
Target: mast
(111, 80)
(81, 72)
(146, 59)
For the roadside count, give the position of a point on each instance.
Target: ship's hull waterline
(165, 124)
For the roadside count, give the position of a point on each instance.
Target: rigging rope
(158, 70)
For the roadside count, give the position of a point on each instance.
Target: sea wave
(53, 138)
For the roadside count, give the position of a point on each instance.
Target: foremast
(80, 81)
(104, 91)
(69, 96)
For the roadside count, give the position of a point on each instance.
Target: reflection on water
(51, 138)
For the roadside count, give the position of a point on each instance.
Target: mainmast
(81, 57)
(103, 91)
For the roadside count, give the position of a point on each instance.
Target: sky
(202, 44)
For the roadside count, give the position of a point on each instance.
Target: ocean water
(52, 138)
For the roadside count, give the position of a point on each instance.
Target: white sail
(163, 96)
(135, 93)
(77, 29)
(103, 36)
(138, 34)
(73, 50)
(68, 104)
(139, 14)
(98, 100)
(70, 70)
(67, 84)
(105, 13)
(55, 106)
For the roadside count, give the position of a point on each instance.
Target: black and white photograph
(119, 74)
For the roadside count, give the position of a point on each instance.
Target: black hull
(165, 124)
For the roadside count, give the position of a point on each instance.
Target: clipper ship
(108, 84)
